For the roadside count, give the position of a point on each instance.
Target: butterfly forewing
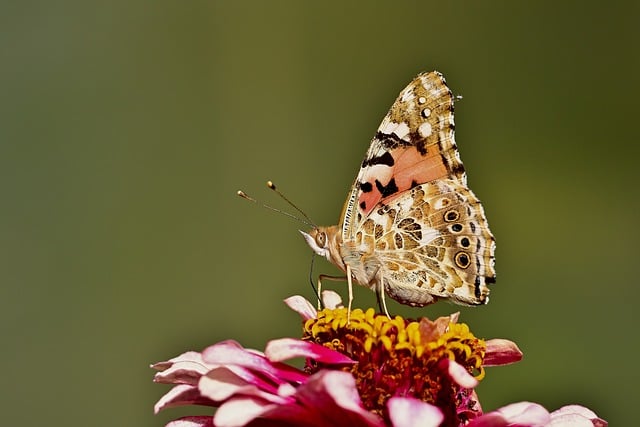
(413, 145)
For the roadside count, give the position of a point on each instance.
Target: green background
(127, 127)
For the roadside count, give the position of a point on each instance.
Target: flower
(362, 369)
(431, 361)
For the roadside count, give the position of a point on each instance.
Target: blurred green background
(127, 127)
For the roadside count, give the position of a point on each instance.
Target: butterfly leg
(380, 296)
(350, 282)
(326, 277)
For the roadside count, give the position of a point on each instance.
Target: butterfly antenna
(272, 186)
(306, 221)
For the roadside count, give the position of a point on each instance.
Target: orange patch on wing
(413, 167)
(367, 201)
(410, 168)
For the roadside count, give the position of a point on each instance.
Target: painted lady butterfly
(410, 227)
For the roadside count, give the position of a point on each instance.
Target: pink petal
(516, 414)
(410, 412)
(301, 306)
(181, 395)
(335, 400)
(184, 369)
(288, 348)
(501, 352)
(459, 374)
(570, 420)
(286, 390)
(576, 416)
(231, 353)
(221, 384)
(199, 421)
(328, 398)
(331, 300)
(239, 411)
(574, 409)
(189, 356)
(289, 415)
(252, 377)
(525, 413)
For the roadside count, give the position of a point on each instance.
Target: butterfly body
(411, 228)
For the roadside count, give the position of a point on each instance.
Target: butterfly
(411, 228)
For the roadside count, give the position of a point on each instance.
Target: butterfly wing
(410, 209)
(432, 241)
(413, 145)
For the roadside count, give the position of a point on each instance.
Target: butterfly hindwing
(432, 242)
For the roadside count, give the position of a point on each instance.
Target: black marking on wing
(391, 140)
(457, 169)
(421, 145)
(385, 159)
(387, 190)
(366, 187)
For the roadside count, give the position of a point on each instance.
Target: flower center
(400, 357)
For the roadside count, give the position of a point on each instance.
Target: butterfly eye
(321, 239)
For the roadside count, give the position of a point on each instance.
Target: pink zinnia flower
(362, 369)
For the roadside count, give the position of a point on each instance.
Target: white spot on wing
(388, 127)
(441, 203)
(402, 130)
(435, 93)
(457, 153)
(407, 95)
(379, 172)
(428, 236)
(424, 130)
(406, 204)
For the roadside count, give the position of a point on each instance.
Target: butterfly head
(325, 241)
